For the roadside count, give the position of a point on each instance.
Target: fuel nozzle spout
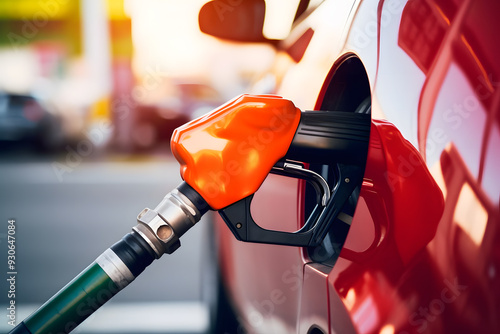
(331, 137)
(227, 154)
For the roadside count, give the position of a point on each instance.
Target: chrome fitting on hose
(162, 227)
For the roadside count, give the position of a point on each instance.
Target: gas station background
(90, 57)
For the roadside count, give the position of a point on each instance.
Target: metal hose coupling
(162, 227)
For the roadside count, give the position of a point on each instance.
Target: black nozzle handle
(239, 218)
(328, 137)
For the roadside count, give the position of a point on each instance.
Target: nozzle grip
(331, 137)
(239, 218)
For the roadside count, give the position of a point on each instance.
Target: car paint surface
(422, 252)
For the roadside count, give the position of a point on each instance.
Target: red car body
(422, 253)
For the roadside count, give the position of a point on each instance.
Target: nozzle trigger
(297, 170)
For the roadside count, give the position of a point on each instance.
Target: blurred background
(90, 92)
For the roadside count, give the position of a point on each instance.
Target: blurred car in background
(183, 101)
(24, 119)
(418, 251)
(195, 98)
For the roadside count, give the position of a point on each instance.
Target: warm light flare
(350, 299)
(470, 214)
(279, 18)
(387, 329)
(168, 36)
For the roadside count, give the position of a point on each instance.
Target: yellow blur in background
(141, 68)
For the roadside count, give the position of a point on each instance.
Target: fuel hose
(157, 232)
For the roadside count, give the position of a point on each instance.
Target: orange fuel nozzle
(226, 155)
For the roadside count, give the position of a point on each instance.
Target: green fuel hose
(105, 277)
(157, 233)
(74, 303)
